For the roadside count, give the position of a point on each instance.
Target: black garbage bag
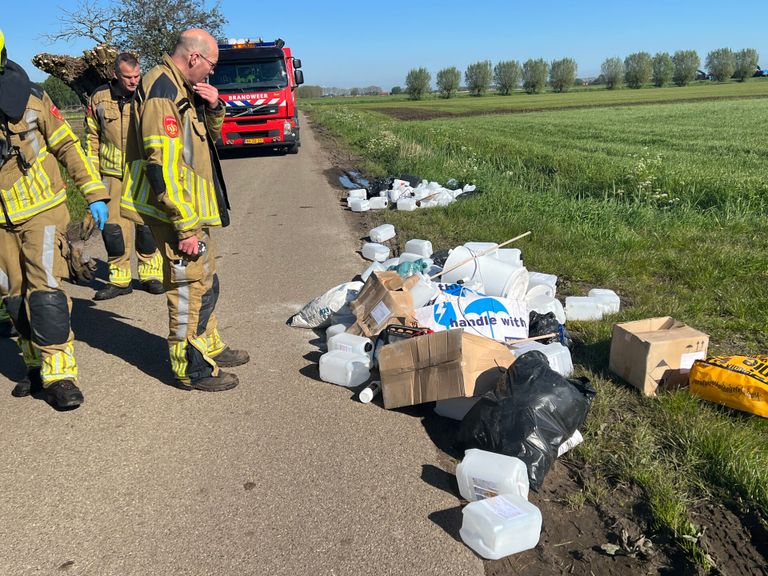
(532, 411)
(412, 180)
(540, 324)
(379, 185)
(440, 256)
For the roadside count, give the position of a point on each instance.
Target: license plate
(254, 140)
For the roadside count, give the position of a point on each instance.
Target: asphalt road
(283, 475)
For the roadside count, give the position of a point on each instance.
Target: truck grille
(236, 111)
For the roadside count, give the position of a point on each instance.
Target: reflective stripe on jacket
(30, 180)
(106, 126)
(172, 168)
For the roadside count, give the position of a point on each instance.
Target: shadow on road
(104, 330)
(449, 520)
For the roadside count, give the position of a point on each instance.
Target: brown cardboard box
(438, 366)
(384, 300)
(655, 352)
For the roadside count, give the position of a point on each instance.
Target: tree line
(534, 75)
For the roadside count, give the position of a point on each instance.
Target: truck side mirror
(296, 63)
(298, 75)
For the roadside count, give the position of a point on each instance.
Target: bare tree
(89, 19)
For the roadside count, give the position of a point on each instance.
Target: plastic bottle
(483, 474)
(369, 392)
(583, 308)
(376, 252)
(421, 247)
(351, 343)
(500, 526)
(331, 331)
(359, 205)
(407, 204)
(358, 193)
(382, 233)
(344, 368)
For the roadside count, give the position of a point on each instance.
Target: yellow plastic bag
(739, 382)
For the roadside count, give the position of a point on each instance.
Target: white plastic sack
(318, 312)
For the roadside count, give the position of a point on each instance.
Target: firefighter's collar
(15, 89)
(178, 76)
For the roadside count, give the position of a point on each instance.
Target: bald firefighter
(175, 185)
(106, 124)
(34, 138)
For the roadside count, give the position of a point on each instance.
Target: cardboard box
(438, 366)
(384, 300)
(655, 353)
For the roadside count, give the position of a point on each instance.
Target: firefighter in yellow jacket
(106, 124)
(34, 138)
(175, 185)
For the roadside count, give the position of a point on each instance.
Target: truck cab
(257, 81)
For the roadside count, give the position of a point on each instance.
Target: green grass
(664, 204)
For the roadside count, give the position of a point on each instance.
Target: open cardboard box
(384, 300)
(438, 366)
(655, 353)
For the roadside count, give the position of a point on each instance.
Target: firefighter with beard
(106, 124)
(34, 138)
(174, 184)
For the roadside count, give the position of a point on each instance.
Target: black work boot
(152, 286)
(224, 381)
(112, 291)
(229, 358)
(30, 384)
(7, 330)
(63, 394)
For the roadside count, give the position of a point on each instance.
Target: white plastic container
(376, 252)
(478, 247)
(543, 304)
(382, 233)
(359, 193)
(483, 474)
(510, 255)
(455, 408)
(423, 292)
(500, 526)
(344, 368)
(335, 329)
(498, 278)
(351, 343)
(410, 257)
(558, 355)
(395, 194)
(539, 290)
(583, 308)
(378, 202)
(388, 263)
(421, 247)
(608, 298)
(375, 267)
(407, 204)
(550, 280)
(359, 205)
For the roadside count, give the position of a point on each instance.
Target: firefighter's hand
(208, 93)
(188, 246)
(99, 212)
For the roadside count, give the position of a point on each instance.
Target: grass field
(664, 203)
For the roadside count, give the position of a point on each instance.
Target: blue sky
(356, 43)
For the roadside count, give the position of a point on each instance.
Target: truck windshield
(262, 74)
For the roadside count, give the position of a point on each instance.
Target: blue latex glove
(99, 212)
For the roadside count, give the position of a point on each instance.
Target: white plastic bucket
(498, 278)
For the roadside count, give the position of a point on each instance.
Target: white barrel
(583, 308)
(359, 205)
(482, 474)
(498, 278)
(374, 251)
(344, 368)
(378, 202)
(351, 343)
(382, 233)
(478, 247)
(421, 247)
(500, 526)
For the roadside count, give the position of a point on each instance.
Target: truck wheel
(293, 149)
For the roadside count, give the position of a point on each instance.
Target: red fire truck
(257, 81)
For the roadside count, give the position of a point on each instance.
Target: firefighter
(174, 184)
(34, 138)
(106, 124)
